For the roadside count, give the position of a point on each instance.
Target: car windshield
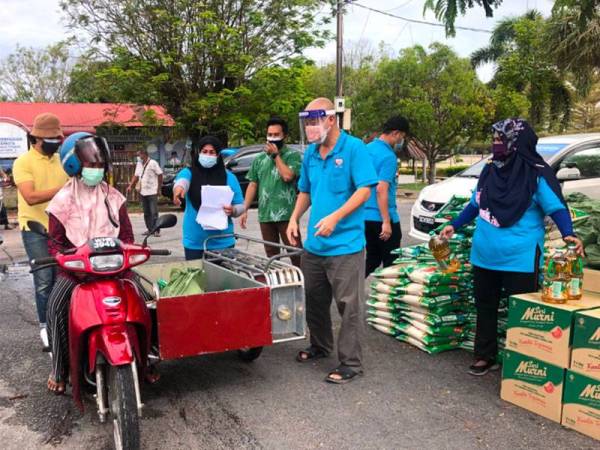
(546, 151)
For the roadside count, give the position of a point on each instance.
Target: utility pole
(339, 78)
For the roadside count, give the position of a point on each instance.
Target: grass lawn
(412, 186)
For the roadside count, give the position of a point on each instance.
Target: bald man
(335, 181)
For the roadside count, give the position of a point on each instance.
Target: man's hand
(244, 220)
(178, 196)
(128, 190)
(228, 210)
(326, 225)
(577, 242)
(386, 231)
(271, 149)
(447, 232)
(292, 232)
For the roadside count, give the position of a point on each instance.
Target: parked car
(575, 158)
(239, 164)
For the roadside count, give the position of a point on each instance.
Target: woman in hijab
(516, 190)
(207, 169)
(86, 207)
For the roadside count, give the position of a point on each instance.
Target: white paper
(211, 215)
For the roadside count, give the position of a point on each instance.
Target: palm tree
(523, 64)
(447, 10)
(586, 113)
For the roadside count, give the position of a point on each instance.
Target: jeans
(150, 206)
(36, 246)
(192, 254)
(379, 252)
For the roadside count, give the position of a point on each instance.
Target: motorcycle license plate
(107, 243)
(427, 220)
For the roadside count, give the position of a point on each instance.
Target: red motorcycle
(109, 326)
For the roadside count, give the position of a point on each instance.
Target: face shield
(93, 150)
(313, 125)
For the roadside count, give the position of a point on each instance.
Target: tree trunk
(424, 172)
(431, 172)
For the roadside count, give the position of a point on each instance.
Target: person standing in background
(147, 181)
(39, 175)
(273, 175)
(382, 223)
(3, 213)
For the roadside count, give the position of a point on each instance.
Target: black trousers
(489, 287)
(379, 252)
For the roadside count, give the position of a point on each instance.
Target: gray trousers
(340, 278)
(150, 206)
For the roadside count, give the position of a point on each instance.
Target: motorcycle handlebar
(43, 261)
(160, 252)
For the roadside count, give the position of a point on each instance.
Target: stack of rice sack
(417, 303)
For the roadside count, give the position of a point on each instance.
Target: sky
(38, 23)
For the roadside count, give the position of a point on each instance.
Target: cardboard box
(532, 384)
(585, 354)
(543, 330)
(591, 280)
(581, 408)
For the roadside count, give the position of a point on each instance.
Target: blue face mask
(207, 161)
(92, 177)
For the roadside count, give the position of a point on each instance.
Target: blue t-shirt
(513, 249)
(385, 164)
(330, 183)
(193, 233)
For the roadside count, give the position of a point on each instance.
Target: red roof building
(85, 116)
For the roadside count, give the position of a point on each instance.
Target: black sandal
(311, 352)
(346, 373)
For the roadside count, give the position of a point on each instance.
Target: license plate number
(427, 220)
(103, 243)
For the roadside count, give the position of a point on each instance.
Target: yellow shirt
(46, 173)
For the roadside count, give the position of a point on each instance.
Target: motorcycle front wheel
(123, 407)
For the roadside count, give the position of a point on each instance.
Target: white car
(575, 157)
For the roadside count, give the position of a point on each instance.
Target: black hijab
(201, 176)
(507, 190)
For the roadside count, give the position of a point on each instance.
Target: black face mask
(278, 143)
(50, 148)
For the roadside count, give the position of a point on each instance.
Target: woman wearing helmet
(86, 207)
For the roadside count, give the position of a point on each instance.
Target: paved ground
(406, 400)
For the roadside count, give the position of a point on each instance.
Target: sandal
(479, 370)
(345, 373)
(56, 387)
(311, 352)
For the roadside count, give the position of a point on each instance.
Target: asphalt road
(406, 400)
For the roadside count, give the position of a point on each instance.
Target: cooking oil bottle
(441, 252)
(556, 279)
(575, 261)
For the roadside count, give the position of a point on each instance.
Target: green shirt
(276, 198)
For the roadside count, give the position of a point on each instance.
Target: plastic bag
(184, 282)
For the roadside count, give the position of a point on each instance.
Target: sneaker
(478, 371)
(44, 338)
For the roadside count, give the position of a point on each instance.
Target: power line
(420, 22)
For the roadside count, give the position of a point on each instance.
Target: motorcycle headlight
(106, 263)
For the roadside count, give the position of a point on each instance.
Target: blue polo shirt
(330, 183)
(194, 234)
(385, 164)
(513, 249)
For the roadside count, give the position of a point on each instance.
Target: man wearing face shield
(39, 175)
(335, 181)
(273, 175)
(382, 225)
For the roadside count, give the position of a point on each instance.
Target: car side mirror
(568, 173)
(232, 163)
(37, 228)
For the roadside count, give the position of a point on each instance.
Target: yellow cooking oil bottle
(556, 279)
(440, 249)
(575, 286)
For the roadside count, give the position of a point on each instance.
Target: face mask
(316, 134)
(92, 176)
(207, 161)
(50, 146)
(499, 151)
(139, 160)
(400, 144)
(277, 142)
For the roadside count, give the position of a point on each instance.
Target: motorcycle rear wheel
(123, 407)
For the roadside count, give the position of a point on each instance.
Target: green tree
(586, 111)
(519, 48)
(36, 75)
(194, 57)
(439, 93)
(448, 10)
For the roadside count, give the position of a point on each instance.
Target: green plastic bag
(184, 282)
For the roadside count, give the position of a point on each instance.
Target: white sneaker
(44, 337)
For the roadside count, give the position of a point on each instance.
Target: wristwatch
(274, 155)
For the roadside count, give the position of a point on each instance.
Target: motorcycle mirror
(37, 228)
(166, 221)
